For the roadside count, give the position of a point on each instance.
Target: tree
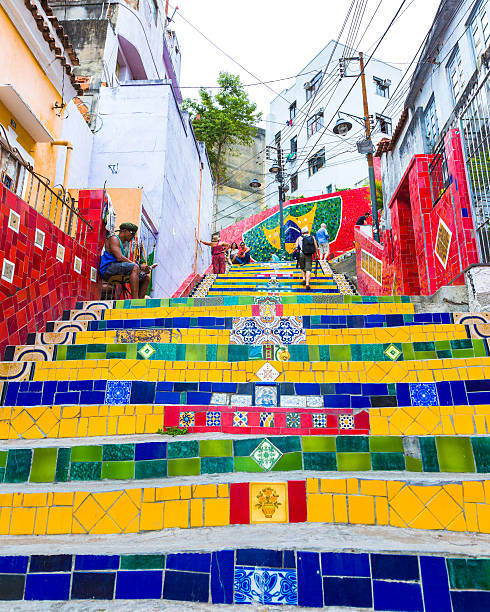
(223, 121)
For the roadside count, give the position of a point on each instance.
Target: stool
(120, 282)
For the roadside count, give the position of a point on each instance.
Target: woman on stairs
(307, 246)
(218, 250)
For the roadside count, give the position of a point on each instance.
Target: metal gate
(475, 127)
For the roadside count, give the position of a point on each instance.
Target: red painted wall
(410, 265)
(42, 286)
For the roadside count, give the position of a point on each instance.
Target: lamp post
(342, 126)
(278, 170)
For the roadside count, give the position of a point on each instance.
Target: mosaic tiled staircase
(324, 449)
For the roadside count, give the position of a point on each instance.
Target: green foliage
(172, 431)
(379, 195)
(223, 121)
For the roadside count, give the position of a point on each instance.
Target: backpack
(308, 247)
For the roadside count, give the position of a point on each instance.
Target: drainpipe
(198, 222)
(69, 149)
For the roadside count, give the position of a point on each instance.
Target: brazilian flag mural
(263, 239)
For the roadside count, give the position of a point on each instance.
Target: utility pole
(282, 238)
(367, 126)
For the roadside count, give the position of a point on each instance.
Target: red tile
(297, 501)
(239, 503)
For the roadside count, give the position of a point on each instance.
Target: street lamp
(254, 183)
(277, 170)
(342, 126)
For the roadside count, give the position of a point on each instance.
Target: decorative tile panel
(265, 586)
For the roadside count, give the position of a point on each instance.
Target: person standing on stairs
(114, 261)
(308, 247)
(323, 240)
(218, 250)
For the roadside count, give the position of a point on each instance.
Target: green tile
(2, 474)
(246, 464)
(444, 354)
(421, 347)
(3, 458)
(150, 468)
(481, 452)
(63, 465)
(413, 464)
(43, 465)
(60, 352)
(479, 348)
(195, 352)
(76, 351)
(339, 352)
(425, 355)
(408, 352)
(288, 462)
(222, 353)
(18, 465)
(85, 470)
(215, 448)
(287, 444)
(320, 461)
(392, 388)
(180, 450)
(352, 444)
(86, 453)
(118, 452)
(184, 467)
(469, 573)
(243, 448)
(463, 353)
(216, 465)
(429, 454)
(442, 345)
(461, 344)
(388, 461)
(352, 462)
(211, 352)
(386, 444)
(118, 470)
(314, 444)
(135, 562)
(455, 454)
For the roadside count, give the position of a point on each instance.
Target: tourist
(218, 250)
(114, 261)
(243, 256)
(307, 246)
(232, 253)
(274, 258)
(323, 240)
(362, 219)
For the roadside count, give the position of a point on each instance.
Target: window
(12, 172)
(316, 162)
(277, 139)
(313, 85)
(480, 31)
(329, 188)
(294, 182)
(314, 123)
(154, 7)
(384, 124)
(455, 74)
(382, 87)
(372, 266)
(292, 110)
(294, 145)
(431, 126)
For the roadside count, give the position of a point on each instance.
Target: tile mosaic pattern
(255, 576)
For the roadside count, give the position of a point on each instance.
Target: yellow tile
(216, 512)
(151, 516)
(41, 521)
(352, 485)
(382, 511)
(463, 424)
(62, 499)
(22, 521)
(373, 487)
(473, 491)
(340, 509)
(5, 514)
(483, 512)
(223, 490)
(312, 485)
(204, 491)
(34, 499)
(197, 506)
(333, 486)
(176, 514)
(361, 509)
(185, 492)
(320, 508)
(406, 504)
(59, 520)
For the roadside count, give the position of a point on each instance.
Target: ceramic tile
(118, 392)
(219, 399)
(267, 373)
(266, 454)
(423, 394)
(240, 419)
(268, 502)
(265, 395)
(213, 418)
(293, 420)
(187, 419)
(265, 586)
(319, 420)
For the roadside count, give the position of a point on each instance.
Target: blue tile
(150, 450)
(49, 390)
(395, 567)
(62, 386)
(81, 385)
(374, 389)
(139, 584)
(289, 559)
(359, 401)
(307, 388)
(93, 585)
(348, 388)
(167, 397)
(345, 564)
(397, 596)
(470, 601)
(423, 394)
(435, 585)
(47, 587)
(100, 385)
(259, 557)
(206, 386)
(310, 588)
(11, 395)
(165, 386)
(186, 586)
(186, 386)
(118, 392)
(197, 562)
(444, 393)
(24, 386)
(336, 401)
(12, 587)
(68, 397)
(222, 572)
(96, 562)
(50, 563)
(349, 592)
(481, 397)
(403, 394)
(197, 398)
(29, 399)
(458, 392)
(13, 564)
(142, 392)
(224, 387)
(477, 385)
(92, 397)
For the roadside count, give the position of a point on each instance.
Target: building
(316, 160)
(433, 167)
(236, 199)
(144, 149)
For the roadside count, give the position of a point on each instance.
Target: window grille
(438, 174)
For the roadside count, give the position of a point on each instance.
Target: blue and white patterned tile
(319, 420)
(241, 400)
(219, 399)
(118, 392)
(423, 394)
(346, 421)
(265, 586)
(314, 401)
(187, 419)
(293, 401)
(293, 419)
(213, 418)
(240, 419)
(265, 395)
(266, 419)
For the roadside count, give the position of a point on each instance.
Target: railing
(51, 201)
(475, 127)
(438, 174)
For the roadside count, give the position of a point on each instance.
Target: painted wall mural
(339, 211)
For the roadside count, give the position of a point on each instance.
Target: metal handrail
(52, 202)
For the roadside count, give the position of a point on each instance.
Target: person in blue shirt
(274, 258)
(323, 239)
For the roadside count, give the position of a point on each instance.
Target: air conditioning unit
(307, 85)
(386, 82)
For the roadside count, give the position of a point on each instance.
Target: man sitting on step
(114, 261)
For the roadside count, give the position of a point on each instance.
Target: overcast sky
(277, 38)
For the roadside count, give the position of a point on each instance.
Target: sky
(273, 39)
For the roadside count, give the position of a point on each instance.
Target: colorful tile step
(453, 506)
(375, 581)
(143, 460)
(468, 347)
